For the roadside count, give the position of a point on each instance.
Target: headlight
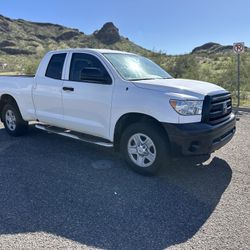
(187, 107)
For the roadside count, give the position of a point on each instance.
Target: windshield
(134, 68)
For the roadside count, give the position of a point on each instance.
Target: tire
(13, 121)
(145, 148)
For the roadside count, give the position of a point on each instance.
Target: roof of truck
(90, 49)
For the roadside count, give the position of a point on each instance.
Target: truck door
(87, 95)
(47, 93)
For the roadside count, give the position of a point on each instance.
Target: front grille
(217, 108)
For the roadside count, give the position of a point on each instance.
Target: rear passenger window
(55, 66)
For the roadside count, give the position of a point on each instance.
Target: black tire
(160, 148)
(19, 126)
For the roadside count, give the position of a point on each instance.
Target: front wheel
(144, 147)
(13, 121)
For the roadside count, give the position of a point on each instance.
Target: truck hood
(181, 87)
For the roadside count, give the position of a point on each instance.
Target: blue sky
(175, 26)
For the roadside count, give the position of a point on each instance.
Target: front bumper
(199, 138)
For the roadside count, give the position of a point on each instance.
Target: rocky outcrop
(212, 48)
(16, 51)
(108, 34)
(6, 43)
(207, 47)
(67, 35)
(4, 24)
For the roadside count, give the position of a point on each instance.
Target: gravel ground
(57, 193)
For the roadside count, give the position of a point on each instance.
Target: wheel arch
(7, 98)
(129, 118)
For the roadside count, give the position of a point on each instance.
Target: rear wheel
(144, 148)
(13, 121)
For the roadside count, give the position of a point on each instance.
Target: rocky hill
(20, 37)
(213, 48)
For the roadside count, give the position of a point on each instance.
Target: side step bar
(75, 135)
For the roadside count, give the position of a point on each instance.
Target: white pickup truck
(119, 99)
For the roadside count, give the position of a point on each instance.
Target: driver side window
(88, 68)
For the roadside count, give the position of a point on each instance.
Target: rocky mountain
(20, 37)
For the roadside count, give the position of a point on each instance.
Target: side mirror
(95, 75)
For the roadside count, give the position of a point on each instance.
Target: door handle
(68, 89)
